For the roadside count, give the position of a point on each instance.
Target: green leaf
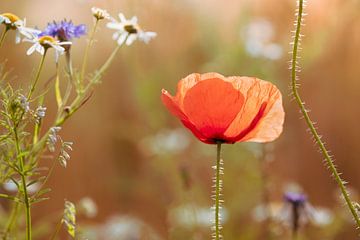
(43, 191)
(37, 200)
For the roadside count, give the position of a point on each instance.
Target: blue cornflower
(64, 30)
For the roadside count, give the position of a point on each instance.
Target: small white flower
(40, 44)
(127, 31)
(99, 13)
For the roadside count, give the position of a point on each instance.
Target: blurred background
(148, 176)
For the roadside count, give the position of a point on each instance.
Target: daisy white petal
(128, 31)
(114, 25)
(131, 38)
(122, 38)
(147, 36)
(122, 17)
(31, 50)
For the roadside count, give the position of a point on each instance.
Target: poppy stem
(294, 78)
(218, 187)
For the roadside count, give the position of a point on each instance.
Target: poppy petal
(172, 104)
(173, 107)
(270, 126)
(212, 105)
(262, 116)
(191, 80)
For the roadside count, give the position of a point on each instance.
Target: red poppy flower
(220, 109)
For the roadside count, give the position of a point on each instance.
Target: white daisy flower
(99, 13)
(127, 31)
(40, 44)
(15, 23)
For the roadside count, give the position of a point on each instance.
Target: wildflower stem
(217, 193)
(57, 229)
(320, 143)
(69, 63)
(85, 60)
(3, 35)
(80, 98)
(77, 103)
(24, 187)
(37, 76)
(12, 220)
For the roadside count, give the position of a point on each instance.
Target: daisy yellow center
(131, 29)
(45, 40)
(12, 17)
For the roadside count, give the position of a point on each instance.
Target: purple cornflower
(64, 30)
(297, 211)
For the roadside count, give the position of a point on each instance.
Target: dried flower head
(99, 13)
(64, 156)
(53, 138)
(129, 30)
(40, 113)
(24, 103)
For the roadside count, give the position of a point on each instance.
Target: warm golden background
(137, 162)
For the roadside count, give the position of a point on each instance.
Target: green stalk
(77, 102)
(85, 60)
(218, 172)
(12, 220)
(3, 35)
(37, 76)
(329, 161)
(24, 188)
(57, 230)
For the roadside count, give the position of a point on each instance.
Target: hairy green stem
(3, 35)
(218, 193)
(320, 143)
(37, 76)
(85, 60)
